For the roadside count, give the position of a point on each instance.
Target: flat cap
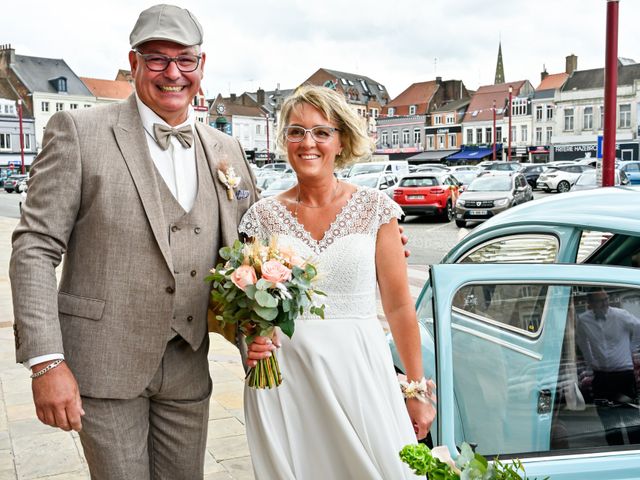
(166, 22)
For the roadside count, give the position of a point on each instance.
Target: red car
(428, 193)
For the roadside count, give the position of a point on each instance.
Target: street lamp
(510, 114)
(494, 131)
(21, 136)
(266, 116)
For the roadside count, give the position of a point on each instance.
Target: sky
(253, 44)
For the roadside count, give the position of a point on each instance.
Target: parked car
(395, 167)
(425, 193)
(279, 186)
(276, 166)
(561, 177)
(464, 178)
(588, 180)
(12, 184)
(489, 194)
(432, 167)
(632, 170)
(465, 168)
(501, 331)
(531, 172)
(379, 181)
(501, 165)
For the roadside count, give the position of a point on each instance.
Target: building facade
(45, 85)
(424, 117)
(10, 148)
(580, 114)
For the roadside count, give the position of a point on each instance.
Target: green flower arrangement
(438, 464)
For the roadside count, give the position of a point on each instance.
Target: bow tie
(163, 135)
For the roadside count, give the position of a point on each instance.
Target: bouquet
(262, 286)
(438, 464)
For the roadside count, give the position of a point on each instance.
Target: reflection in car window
(590, 241)
(570, 389)
(515, 307)
(419, 182)
(515, 249)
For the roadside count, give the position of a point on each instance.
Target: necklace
(300, 202)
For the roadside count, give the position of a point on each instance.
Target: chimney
(260, 96)
(7, 58)
(572, 64)
(233, 98)
(438, 80)
(544, 74)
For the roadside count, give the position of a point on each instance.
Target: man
(607, 337)
(131, 194)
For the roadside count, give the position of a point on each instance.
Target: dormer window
(391, 111)
(412, 109)
(60, 84)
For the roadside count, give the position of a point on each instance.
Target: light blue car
(514, 331)
(632, 169)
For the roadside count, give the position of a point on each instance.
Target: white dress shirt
(177, 167)
(607, 344)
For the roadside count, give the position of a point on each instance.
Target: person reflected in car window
(607, 337)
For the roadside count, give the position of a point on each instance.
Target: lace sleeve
(387, 209)
(250, 223)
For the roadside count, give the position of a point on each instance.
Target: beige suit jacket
(93, 196)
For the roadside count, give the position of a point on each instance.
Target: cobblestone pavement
(30, 450)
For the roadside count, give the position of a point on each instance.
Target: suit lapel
(228, 209)
(131, 140)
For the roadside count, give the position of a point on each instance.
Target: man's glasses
(321, 133)
(156, 62)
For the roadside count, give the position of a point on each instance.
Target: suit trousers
(161, 434)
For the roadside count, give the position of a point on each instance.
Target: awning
(430, 156)
(471, 154)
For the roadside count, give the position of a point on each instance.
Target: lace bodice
(345, 255)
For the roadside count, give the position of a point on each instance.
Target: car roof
(427, 174)
(608, 208)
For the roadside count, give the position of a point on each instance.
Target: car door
(633, 172)
(509, 371)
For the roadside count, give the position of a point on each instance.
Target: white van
(399, 168)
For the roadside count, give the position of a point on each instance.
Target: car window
(632, 167)
(419, 182)
(514, 307)
(552, 393)
(590, 241)
(526, 248)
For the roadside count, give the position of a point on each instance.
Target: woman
(339, 412)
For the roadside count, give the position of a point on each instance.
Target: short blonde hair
(355, 140)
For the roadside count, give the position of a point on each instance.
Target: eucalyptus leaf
(266, 313)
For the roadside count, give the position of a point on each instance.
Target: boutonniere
(229, 178)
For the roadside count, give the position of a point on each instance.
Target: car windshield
(490, 184)
(419, 182)
(365, 181)
(364, 168)
(587, 178)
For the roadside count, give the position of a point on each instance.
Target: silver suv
(489, 194)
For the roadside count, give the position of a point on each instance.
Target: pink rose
(274, 271)
(244, 275)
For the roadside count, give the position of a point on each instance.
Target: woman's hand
(262, 347)
(422, 415)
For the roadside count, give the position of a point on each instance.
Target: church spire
(499, 67)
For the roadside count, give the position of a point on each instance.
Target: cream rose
(244, 275)
(274, 271)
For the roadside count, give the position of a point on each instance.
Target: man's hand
(262, 347)
(57, 397)
(404, 240)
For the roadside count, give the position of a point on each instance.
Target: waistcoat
(194, 239)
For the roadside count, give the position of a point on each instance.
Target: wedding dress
(339, 412)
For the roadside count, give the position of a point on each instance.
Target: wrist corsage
(421, 389)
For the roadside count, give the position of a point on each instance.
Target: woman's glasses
(320, 133)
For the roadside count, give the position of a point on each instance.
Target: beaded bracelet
(420, 389)
(51, 366)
